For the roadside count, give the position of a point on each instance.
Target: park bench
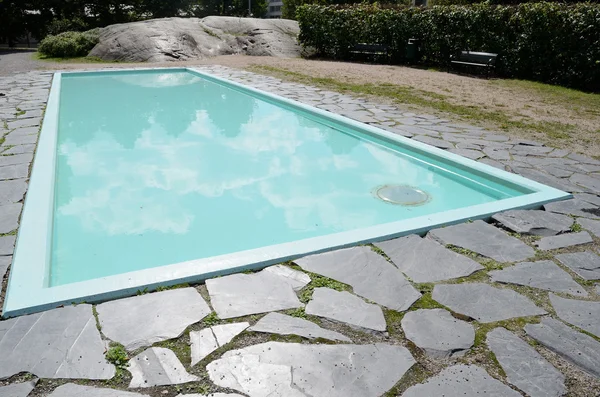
(369, 49)
(475, 59)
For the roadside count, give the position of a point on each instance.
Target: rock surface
(426, 261)
(583, 314)
(157, 366)
(318, 370)
(277, 323)
(210, 339)
(483, 302)
(524, 367)
(586, 264)
(437, 332)
(574, 207)
(73, 390)
(4, 263)
(17, 389)
(59, 343)
(535, 222)
(179, 39)
(542, 274)
(369, 274)
(140, 321)
(564, 240)
(295, 278)
(459, 381)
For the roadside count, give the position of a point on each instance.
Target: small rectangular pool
(162, 176)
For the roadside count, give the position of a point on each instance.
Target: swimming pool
(162, 176)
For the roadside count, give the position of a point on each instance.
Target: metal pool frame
(28, 289)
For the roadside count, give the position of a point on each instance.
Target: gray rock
(242, 294)
(20, 149)
(434, 142)
(20, 139)
(12, 191)
(484, 239)
(425, 261)
(7, 244)
(59, 343)
(492, 163)
(208, 340)
(277, 323)
(14, 171)
(548, 179)
(574, 207)
(580, 349)
(591, 225)
(559, 172)
(146, 319)
(564, 240)
(32, 122)
(459, 381)
(9, 217)
(586, 264)
(369, 274)
(157, 366)
(537, 223)
(73, 390)
(16, 159)
(4, 264)
(497, 154)
(318, 370)
(543, 275)
(583, 314)
(17, 389)
(295, 278)
(588, 197)
(525, 368)
(468, 153)
(438, 333)
(346, 308)
(192, 38)
(583, 159)
(485, 303)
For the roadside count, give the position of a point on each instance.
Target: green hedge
(69, 44)
(550, 42)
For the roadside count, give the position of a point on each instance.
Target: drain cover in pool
(402, 195)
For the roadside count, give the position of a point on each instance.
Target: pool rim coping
(26, 291)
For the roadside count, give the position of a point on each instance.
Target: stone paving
(505, 307)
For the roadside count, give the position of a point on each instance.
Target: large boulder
(174, 39)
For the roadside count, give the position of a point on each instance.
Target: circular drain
(402, 195)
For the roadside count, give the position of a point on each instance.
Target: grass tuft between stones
(318, 281)
(117, 355)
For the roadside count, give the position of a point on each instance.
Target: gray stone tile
(583, 314)
(426, 261)
(59, 343)
(17, 389)
(362, 116)
(15, 171)
(346, 308)
(483, 302)
(16, 159)
(525, 368)
(242, 294)
(492, 163)
(587, 182)
(461, 380)
(12, 191)
(588, 198)
(583, 159)
(208, 340)
(497, 154)
(20, 139)
(31, 122)
(7, 245)
(157, 366)
(591, 225)
(587, 168)
(434, 142)
(496, 137)
(20, 149)
(547, 179)
(438, 333)
(281, 324)
(318, 370)
(369, 274)
(545, 275)
(142, 320)
(484, 239)
(4, 264)
(535, 222)
(574, 207)
(73, 390)
(468, 153)
(564, 240)
(558, 172)
(576, 347)
(558, 153)
(295, 278)
(586, 264)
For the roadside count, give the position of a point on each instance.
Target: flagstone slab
(547, 179)
(438, 333)
(586, 181)
(295, 278)
(574, 207)
(242, 294)
(586, 264)
(545, 275)
(535, 222)
(346, 308)
(208, 340)
(459, 381)
(439, 143)
(525, 368)
(59, 343)
(589, 198)
(4, 264)
(157, 366)
(426, 261)
(590, 225)
(18, 389)
(485, 240)
(16, 159)
(468, 153)
(369, 274)
(576, 347)
(564, 240)
(73, 390)
(9, 217)
(7, 244)
(14, 171)
(485, 303)
(318, 370)
(12, 191)
(146, 319)
(583, 314)
(281, 324)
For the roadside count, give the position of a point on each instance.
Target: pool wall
(28, 288)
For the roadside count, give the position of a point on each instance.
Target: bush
(549, 42)
(69, 44)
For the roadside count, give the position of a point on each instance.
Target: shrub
(550, 42)
(69, 44)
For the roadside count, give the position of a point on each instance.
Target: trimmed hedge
(69, 44)
(549, 42)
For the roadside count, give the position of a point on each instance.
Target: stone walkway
(507, 307)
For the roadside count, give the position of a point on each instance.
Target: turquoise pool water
(160, 167)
